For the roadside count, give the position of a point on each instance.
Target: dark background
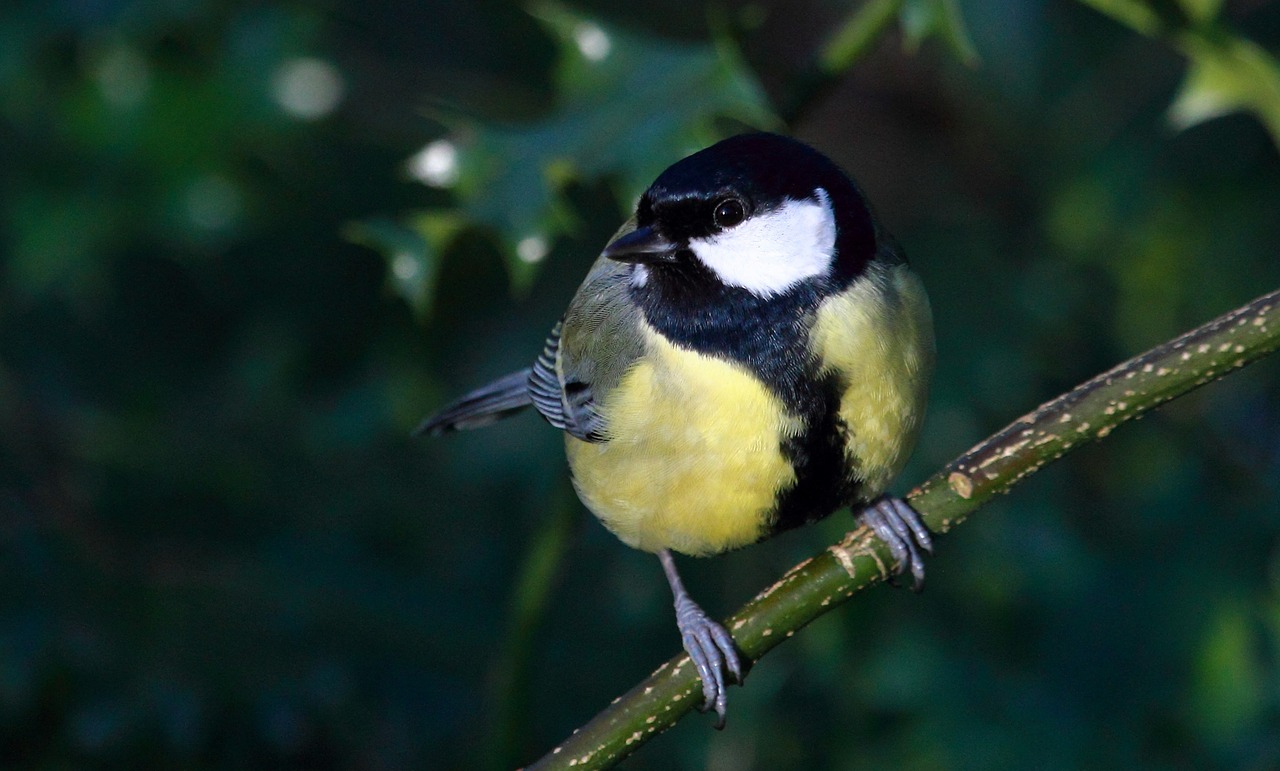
(225, 301)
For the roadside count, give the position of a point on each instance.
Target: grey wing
(588, 352)
(569, 406)
(488, 403)
(544, 384)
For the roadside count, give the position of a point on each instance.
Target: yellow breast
(693, 459)
(878, 337)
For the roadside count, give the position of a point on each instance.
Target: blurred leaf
(923, 19)
(1132, 13)
(542, 562)
(412, 253)
(628, 107)
(1229, 684)
(54, 243)
(860, 30)
(1201, 11)
(1227, 74)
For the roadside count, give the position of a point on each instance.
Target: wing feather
(545, 387)
(486, 404)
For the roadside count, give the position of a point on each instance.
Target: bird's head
(758, 212)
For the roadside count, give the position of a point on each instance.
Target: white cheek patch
(774, 250)
(639, 276)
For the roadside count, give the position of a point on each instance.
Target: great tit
(749, 353)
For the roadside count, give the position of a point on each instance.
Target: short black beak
(642, 245)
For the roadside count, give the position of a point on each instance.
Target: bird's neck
(767, 335)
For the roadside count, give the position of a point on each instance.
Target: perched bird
(749, 353)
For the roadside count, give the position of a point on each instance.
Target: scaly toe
(904, 532)
(710, 648)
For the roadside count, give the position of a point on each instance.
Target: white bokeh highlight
(307, 88)
(436, 164)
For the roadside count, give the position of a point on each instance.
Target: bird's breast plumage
(692, 458)
(876, 339)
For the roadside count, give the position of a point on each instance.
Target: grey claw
(701, 659)
(912, 519)
(725, 643)
(710, 648)
(904, 532)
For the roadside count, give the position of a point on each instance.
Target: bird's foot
(902, 529)
(712, 651)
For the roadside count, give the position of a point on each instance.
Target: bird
(750, 352)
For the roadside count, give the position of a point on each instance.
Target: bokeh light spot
(533, 248)
(592, 41)
(436, 164)
(307, 88)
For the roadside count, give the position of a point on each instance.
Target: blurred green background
(245, 246)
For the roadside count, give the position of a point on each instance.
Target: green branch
(815, 586)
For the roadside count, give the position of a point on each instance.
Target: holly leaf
(628, 107)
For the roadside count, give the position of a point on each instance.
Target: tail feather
(488, 403)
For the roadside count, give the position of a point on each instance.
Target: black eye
(729, 212)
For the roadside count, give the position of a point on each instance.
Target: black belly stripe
(769, 336)
(824, 481)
